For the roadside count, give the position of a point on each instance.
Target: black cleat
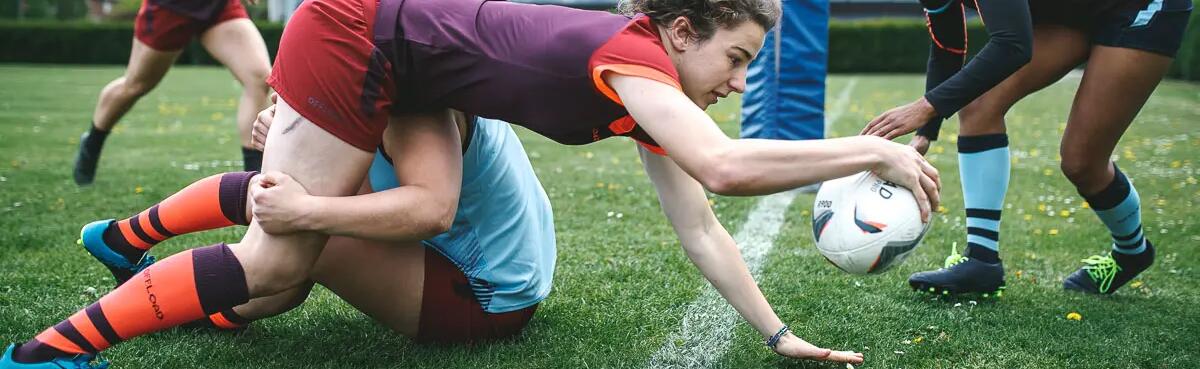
(87, 159)
(1103, 275)
(961, 275)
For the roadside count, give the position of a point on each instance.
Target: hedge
(884, 46)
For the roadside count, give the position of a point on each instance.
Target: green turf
(622, 282)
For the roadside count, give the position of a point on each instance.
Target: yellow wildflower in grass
(138, 189)
(1048, 172)
(1042, 208)
(1053, 232)
(1065, 213)
(1074, 316)
(1086, 205)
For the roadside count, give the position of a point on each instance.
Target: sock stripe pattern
(68, 331)
(217, 201)
(156, 223)
(182, 288)
(1120, 208)
(96, 315)
(983, 164)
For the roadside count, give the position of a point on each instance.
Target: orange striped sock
(185, 287)
(215, 202)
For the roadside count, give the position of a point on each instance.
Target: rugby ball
(864, 225)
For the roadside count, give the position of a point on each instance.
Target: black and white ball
(863, 224)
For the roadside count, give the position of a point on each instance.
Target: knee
(1080, 169)
(255, 79)
(980, 114)
(137, 88)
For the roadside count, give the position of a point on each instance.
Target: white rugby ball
(863, 224)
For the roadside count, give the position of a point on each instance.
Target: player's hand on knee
(794, 347)
(261, 126)
(280, 203)
(901, 120)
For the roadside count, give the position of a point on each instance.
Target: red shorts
(166, 30)
(329, 70)
(451, 314)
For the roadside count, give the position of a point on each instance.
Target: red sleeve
(635, 51)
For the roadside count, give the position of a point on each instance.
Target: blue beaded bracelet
(774, 340)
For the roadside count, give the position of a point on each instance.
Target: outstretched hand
(794, 347)
(901, 120)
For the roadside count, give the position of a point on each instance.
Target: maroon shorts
(451, 314)
(329, 70)
(166, 30)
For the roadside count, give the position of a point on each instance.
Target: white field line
(703, 336)
(839, 105)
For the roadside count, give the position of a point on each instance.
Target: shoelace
(954, 259)
(1102, 269)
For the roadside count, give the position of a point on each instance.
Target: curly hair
(706, 15)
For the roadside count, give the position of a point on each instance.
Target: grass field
(622, 281)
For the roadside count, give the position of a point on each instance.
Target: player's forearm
(757, 167)
(400, 214)
(715, 253)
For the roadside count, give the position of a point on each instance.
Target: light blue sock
(983, 165)
(1120, 208)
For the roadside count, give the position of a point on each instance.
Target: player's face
(714, 68)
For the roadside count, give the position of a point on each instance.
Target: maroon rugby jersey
(537, 66)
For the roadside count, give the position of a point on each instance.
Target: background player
(1128, 46)
(161, 30)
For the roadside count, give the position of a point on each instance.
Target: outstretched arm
(950, 86)
(714, 252)
(757, 167)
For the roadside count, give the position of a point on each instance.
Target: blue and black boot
(122, 269)
(960, 274)
(1104, 274)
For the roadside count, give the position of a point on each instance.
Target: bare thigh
(1115, 86)
(238, 45)
(1056, 50)
(325, 166)
(148, 66)
(384, 280)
